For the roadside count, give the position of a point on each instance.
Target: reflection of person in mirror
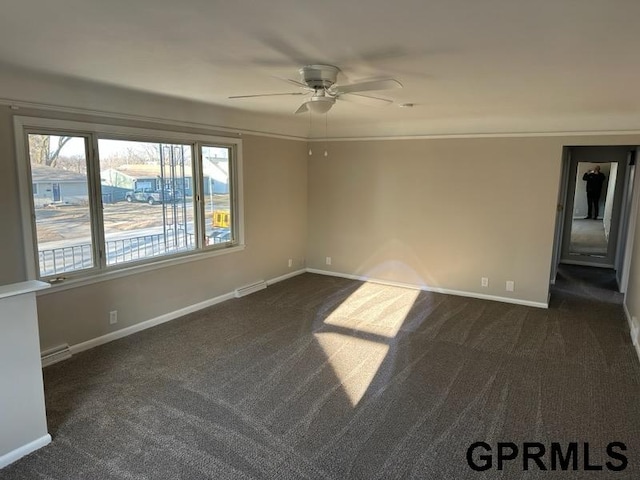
(594, 179)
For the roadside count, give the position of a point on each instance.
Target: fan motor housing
(319, 76)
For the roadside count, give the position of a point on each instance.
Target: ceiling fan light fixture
(320, 81)
(321, 104)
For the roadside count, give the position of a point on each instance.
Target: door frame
(562, 202)
(631, 219)
(625, 221)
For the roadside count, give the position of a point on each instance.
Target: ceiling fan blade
(286, 49)
(386, 84)
(365, 99)
(294, 82)
(267, 95)
(302, 108)
(382, 54)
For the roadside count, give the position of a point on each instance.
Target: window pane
(61, 203)
(147, 205)
(217, 194)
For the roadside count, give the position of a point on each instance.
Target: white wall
(434, 212)
(438, 213)
(23, 424)
(275, 207)
(441, 213)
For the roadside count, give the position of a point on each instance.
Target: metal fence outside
(77, 257)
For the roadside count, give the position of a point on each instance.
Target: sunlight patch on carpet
(369, 319)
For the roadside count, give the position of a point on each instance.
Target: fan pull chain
(310, 151)
(326, 116)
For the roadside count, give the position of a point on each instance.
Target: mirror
(592, 208)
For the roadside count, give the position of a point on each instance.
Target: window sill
(136, 269)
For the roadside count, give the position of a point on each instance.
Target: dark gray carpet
(325, 378)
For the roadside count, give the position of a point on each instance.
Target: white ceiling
(469, 66)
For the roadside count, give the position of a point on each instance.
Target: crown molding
(213, 129)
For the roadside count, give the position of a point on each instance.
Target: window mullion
(97, 224)
(199, 220)
(233, 188)
(60, 215)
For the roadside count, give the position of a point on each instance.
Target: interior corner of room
(483, 215)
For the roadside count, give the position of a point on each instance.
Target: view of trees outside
(147, 200)
(46, 150)
(59, 175)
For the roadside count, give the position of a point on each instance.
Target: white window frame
(95, 131)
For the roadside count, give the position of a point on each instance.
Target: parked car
(145, 195)
(151, 196)
(172, 195)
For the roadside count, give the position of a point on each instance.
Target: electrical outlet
(510, 286)
(328, 260)
(113, 317)
(484, 281)
(290, 262)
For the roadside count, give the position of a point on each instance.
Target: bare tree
(42, 152)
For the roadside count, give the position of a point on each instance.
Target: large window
(101, 198)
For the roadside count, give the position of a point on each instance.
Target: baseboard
(18, 453)
(633, 329)
(426, 288)
(138, 327)
(125, 332)
(286, 276)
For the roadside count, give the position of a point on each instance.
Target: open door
(592, 222)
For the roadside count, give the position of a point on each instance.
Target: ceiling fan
(320, 82)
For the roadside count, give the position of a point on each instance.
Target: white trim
(217, 129)
(286, 276)
(120, 131)
(95, 274)
(238, 198)
(632, 329)
(135, 269)
(18, 453)
(426, 288)
(439, 136)
(627, 314)
(631, 227)
(24, 197)
(18, 104)
(138, 327)
(80, 347)
(21, 288)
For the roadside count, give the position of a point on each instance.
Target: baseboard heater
(249, 289)
(55, 355)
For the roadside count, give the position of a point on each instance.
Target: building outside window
(100, 198)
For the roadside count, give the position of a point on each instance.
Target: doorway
(594, 208)
(56, 192)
